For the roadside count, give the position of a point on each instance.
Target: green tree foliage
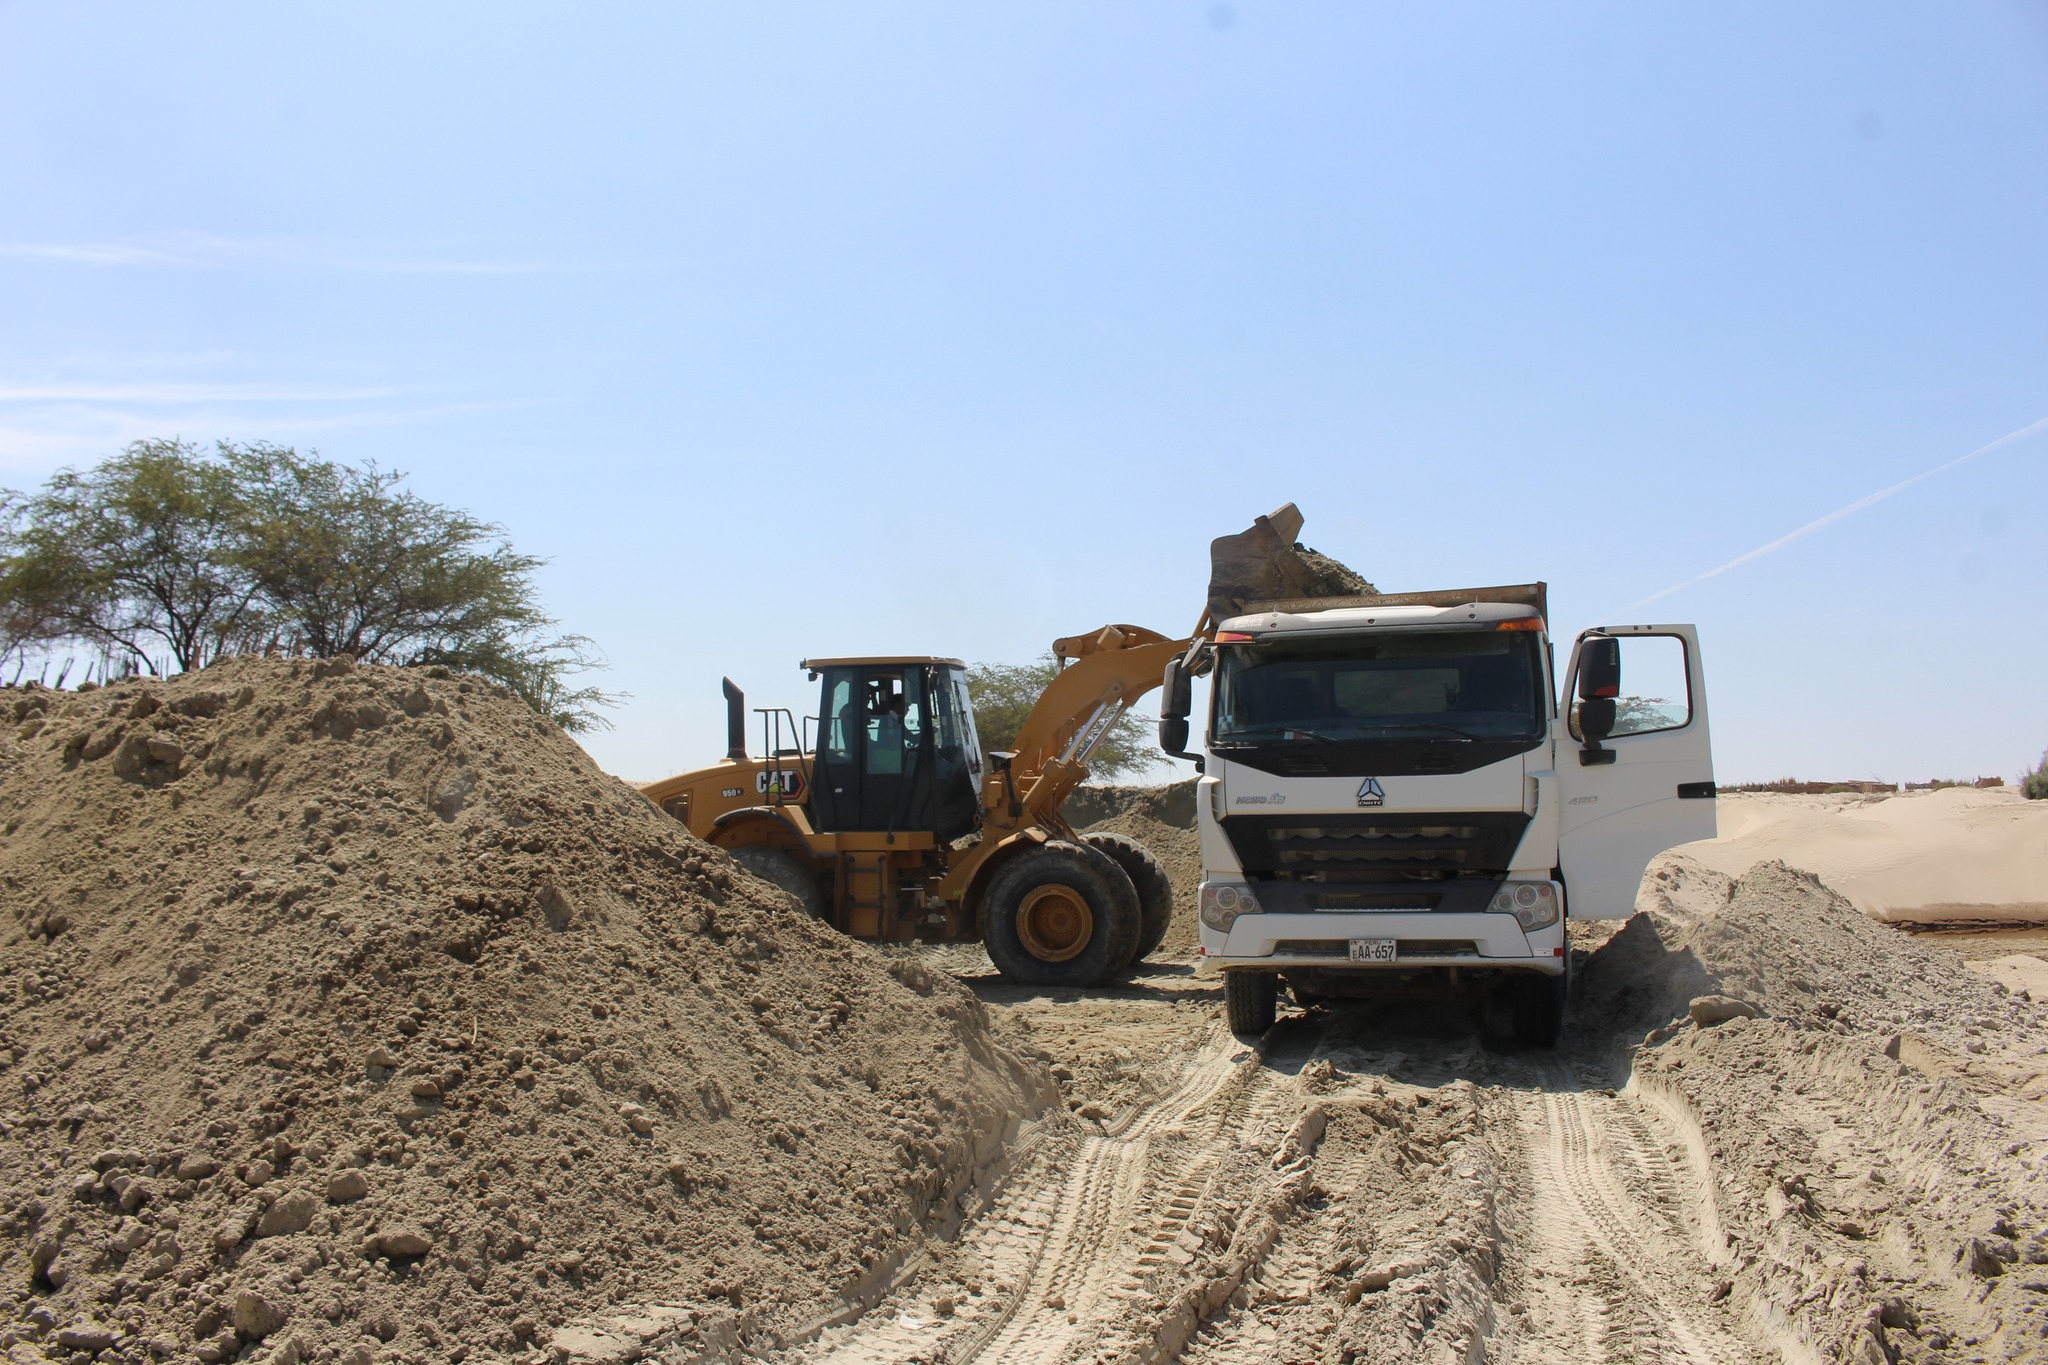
(23, 616)
(164, 558)
(139, 558)
(2035, 784)
(351, 563)
(1005, 693)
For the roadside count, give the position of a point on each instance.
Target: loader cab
(896, 748)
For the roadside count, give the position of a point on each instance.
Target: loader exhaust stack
(735, 722)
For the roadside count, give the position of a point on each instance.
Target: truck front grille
(1373, 900)
(1338, 846)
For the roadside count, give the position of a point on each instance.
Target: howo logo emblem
(1370, 793)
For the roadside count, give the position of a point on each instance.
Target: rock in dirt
(345, 1187)
(1709, 1010)
(288, 1214)
(257, 1315)
(87, 1336)
(402, 1242)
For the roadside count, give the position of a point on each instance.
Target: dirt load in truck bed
(354, 1011)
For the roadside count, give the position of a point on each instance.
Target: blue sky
(787, 330)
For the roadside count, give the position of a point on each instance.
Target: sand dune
(1955, 854)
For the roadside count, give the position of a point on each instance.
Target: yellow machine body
(904, 884)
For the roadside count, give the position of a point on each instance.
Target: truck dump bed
(1516, 594)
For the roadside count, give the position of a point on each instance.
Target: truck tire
(782, 869)
(1251, 1000)
(1060, 914)
(1539, 1003)
(1155, 890)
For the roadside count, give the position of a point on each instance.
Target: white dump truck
(1394, 803)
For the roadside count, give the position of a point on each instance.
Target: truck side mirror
(1175, 692)
(1599, 686)
(1599, 669)
(1175, 700)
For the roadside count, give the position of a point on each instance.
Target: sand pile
(1876, 1113)
(1162, 819)
(1959, 854)
(355, 1013)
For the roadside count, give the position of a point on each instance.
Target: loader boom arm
(1101, 675)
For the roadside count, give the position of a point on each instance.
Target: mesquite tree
(165, 557)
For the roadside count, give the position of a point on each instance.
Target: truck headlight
(1533, 904)
(1222, 902)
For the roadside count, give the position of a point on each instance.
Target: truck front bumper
(1423, 940)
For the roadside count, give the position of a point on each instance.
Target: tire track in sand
(1624, 1280)
(1075, 1231)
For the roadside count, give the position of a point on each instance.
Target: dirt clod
(345, 1187)
(256, 1315)
(1709, 1010)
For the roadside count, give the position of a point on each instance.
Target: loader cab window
(894, 722)
(956, 756)
(885, 762)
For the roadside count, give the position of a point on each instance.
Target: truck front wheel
(1251, 999)
(1539, 1003)
(1061, 914)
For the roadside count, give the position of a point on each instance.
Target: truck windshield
(1443, 686)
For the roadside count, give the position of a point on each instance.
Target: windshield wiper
(1241, 738)
(1439, 726)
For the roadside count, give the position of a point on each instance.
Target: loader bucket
(1265, 564)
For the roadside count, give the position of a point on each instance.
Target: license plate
(1375, 949)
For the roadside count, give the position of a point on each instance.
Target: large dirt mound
(353, 1010)
(1868, 1103)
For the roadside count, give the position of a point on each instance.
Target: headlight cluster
(1533, 904)
(1222, 902)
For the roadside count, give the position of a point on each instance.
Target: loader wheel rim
(1055, 923)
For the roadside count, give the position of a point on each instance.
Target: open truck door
(1635, 770)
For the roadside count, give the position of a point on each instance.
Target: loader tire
(1060, 914)
(1155, 890)
(1251, 1000)
(784, 870)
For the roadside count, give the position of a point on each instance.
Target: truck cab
(1395, 803)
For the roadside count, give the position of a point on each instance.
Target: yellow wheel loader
(880, 816)
(866, 813)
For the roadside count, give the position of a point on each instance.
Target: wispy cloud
(107, 253)
(81, 434)
(1848, 510)
(368, 258)
(176, 393)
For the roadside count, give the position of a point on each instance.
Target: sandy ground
(1954, 854)
(352, 1015)
(1855, 1173)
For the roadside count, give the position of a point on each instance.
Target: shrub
(2035, 783)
